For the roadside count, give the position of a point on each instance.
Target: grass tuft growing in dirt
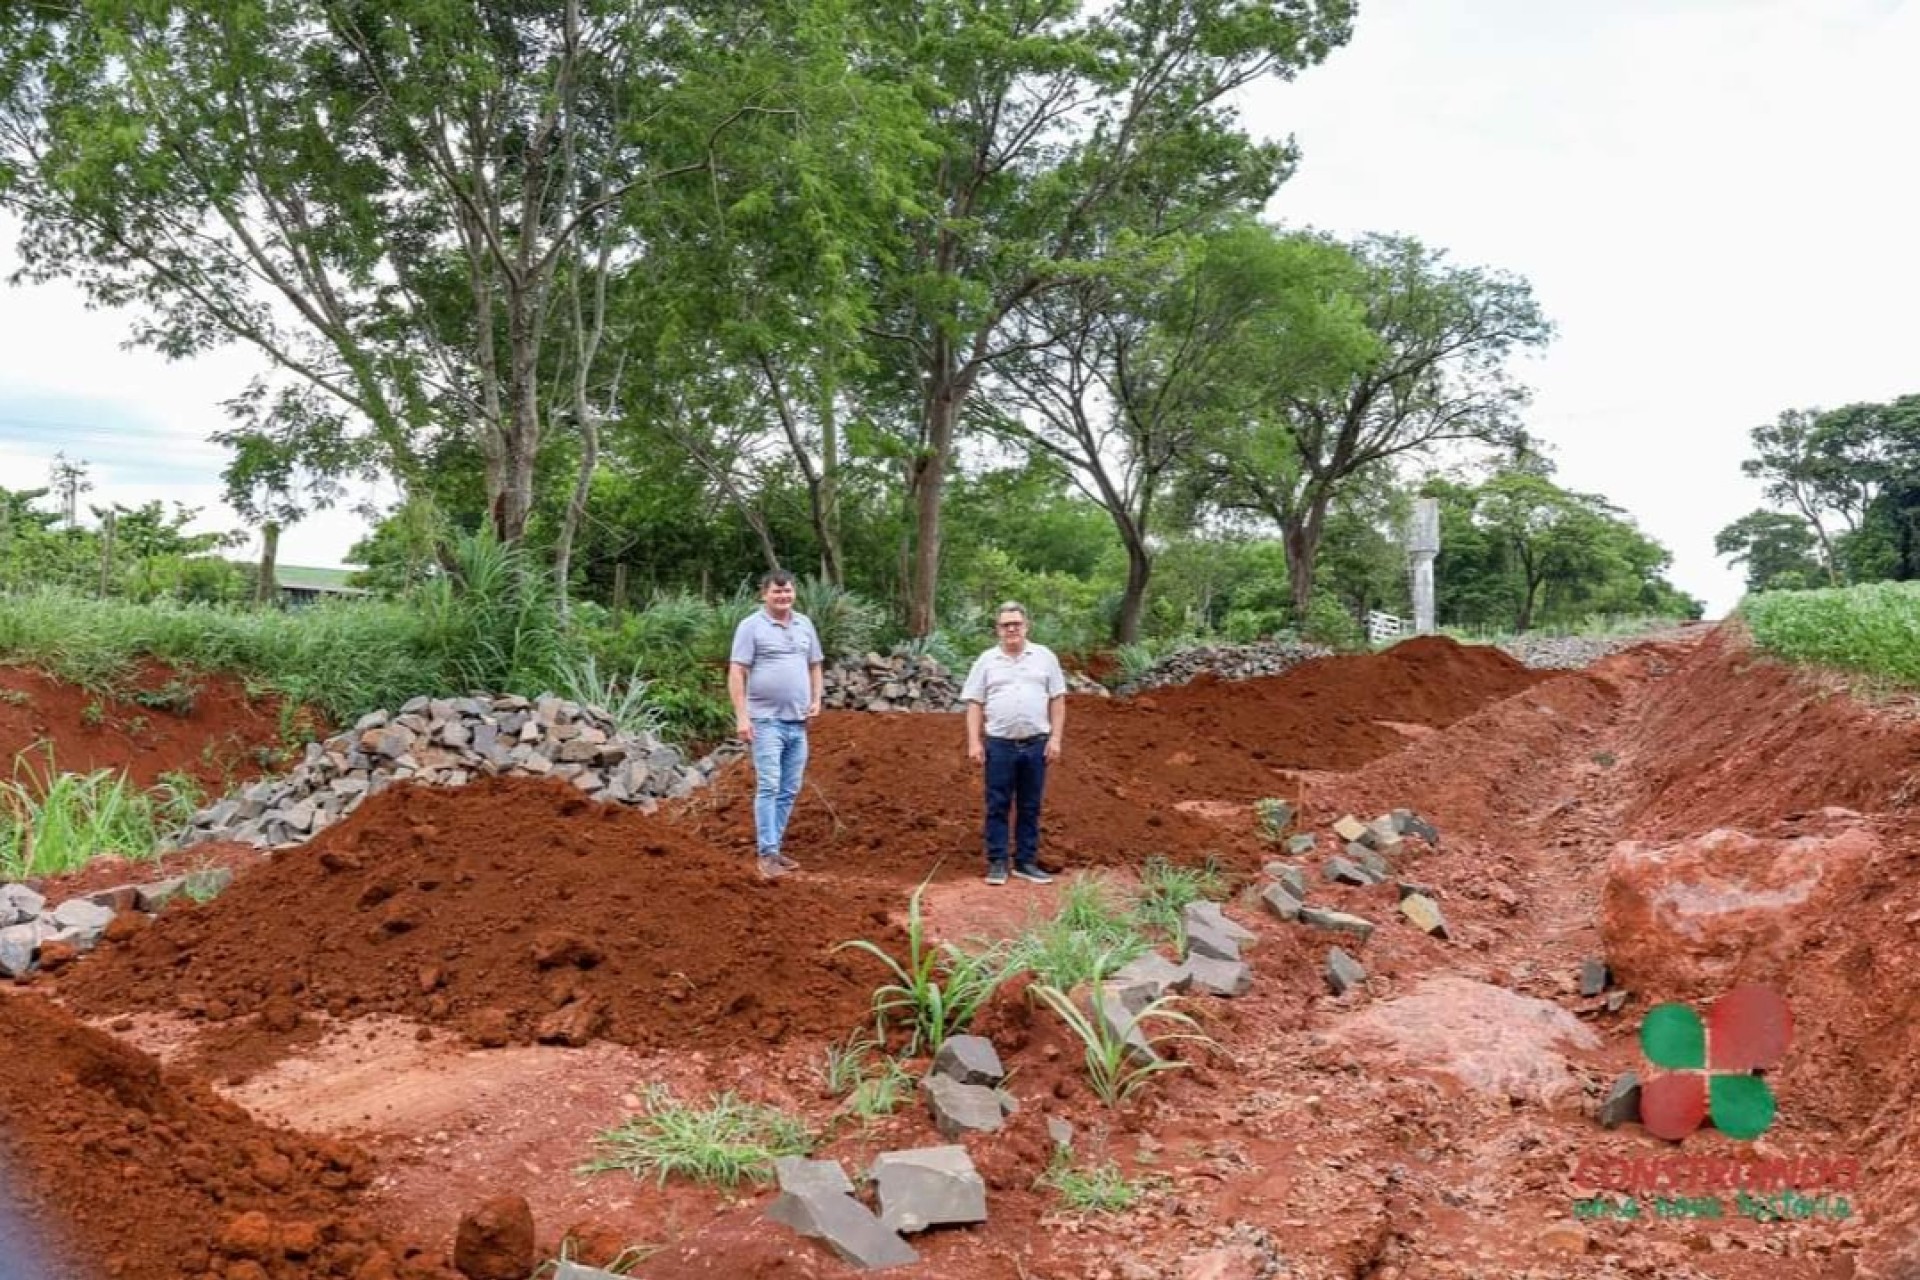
(52, 823)
(725, 1143)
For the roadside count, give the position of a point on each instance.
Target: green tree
(1436, 370)
(408, 207)
(1061, 139)
(1777, 548)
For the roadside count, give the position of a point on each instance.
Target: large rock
(1491, 1040)
(969, 1060)
(848, 1227)
(1696, 917)
(962, 1108)
(929, 1187)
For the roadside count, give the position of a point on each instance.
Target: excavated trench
(444, 997)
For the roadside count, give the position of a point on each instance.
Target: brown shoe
(785, 863)
(770, 868)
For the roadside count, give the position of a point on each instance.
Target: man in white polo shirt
(1016, 698)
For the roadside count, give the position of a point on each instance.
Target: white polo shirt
(1015, 690)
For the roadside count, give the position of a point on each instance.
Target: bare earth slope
(1700, 816)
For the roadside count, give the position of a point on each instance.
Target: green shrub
(1873, 629)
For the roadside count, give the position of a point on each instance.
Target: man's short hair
(1012, 606)
(776, 578)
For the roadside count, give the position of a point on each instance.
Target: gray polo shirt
(1014, 691)
(776, 657)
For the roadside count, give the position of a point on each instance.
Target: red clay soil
(513, 910)
(116, 1169)
(209, 729)
(896, 797)
(1293, 1152)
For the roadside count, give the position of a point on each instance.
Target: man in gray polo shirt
(773, 678)
(1016, 698)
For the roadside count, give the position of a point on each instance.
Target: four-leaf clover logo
(1707, 1067)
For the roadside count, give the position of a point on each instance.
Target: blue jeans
(1016, 779)
(779, 762)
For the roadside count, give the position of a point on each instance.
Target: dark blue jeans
(1016, 779)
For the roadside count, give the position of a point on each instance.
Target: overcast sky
(1712, 199)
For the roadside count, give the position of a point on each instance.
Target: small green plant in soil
(859, 1071)
(176, 697)
(1166, 890)
(725, 1143)
(937, 989)
(1087, 939)
(1113, 1071)
(1271, 817)
(1099, 1188)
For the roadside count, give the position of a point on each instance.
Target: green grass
(52, 823)
(1873, 629)
(936, 989)
(1091, 935)
(1165, 891)
(1100, 1188)
(725, 1143)
(1113, 1072)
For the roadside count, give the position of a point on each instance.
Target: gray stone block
(1204, 940)
(1344, 973)
(565, 1270)
(1118, 1009)
(1153, 970)
(1338, 870)
(1301, 844)
(152, 898)
(1060, 1131)
(1425, 914)
(19, 904)
(1289, 876)
(1220, 977)
(1209, 915)
(1622, 1103)
(1418, 826)
(1594, 977)
(929, 1187)
(848, 1227)
(1281, 901)
(969, 1060)
(81, 916)
(961, 1108)
(1336, 921)
(18, 942)
(803, 1177)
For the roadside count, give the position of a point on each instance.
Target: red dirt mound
(514, 910)
(895, 794)
(145, 1176)
(1748, 740)
(202, 725)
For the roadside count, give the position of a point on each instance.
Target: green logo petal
(1741, 1106)
(1672, 1037)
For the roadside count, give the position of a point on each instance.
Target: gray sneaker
(1032, 875)
(997, 873)
(770, 868)
(785, 863)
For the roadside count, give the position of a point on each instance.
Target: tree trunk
(929, 486)
(827, 498)
(263, 586)
(1133, 602)
(1301, 533)
(576, 504)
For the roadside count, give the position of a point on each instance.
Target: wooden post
(619, 589)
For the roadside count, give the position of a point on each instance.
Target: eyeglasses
(1009, 626)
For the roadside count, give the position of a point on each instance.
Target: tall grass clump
(52, 823)
(1090, 936)
(848, 622)
(726, 1142)
(1873, 629)
(494, 622)
(936, 989)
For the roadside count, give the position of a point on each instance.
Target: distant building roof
(333, 582)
